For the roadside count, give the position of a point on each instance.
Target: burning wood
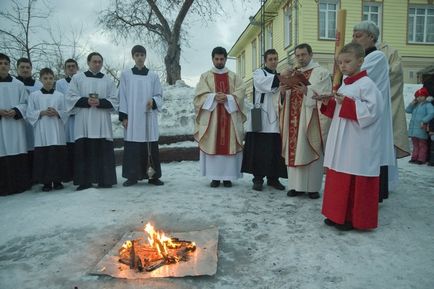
(159, 251)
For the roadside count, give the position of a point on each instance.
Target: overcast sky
(195, 58)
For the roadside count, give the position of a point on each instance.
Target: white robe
(13, 132)
(377, 67)
(353, 147)
(263, 80)
(94, 123)
(29, 129)
(48, 131)
(62, 86)
(135, 91)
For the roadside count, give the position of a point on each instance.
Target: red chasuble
(294, 118)
(223, 117)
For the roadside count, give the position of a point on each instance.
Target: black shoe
(83, 187)
(46, 188)
(313, 195)
(294, 193)
(129, 183)
(257, 187)
(419, 162)
(412, 161)
(155, 182)
(227, 184)
(214, 184)
(57, 186)
(276, 184)
(329, 222)
(344, 227)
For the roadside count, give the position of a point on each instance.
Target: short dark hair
(89, 57)
(46, 70)
(24, 60)
(354, 48)
(70, 60)
(138, 49)
(303, 46)
(269, 52)
(219, 50)
(5, 57)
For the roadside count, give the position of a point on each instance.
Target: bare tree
(57, 52)
(162, 19)
(23, 21)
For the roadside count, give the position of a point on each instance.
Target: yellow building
(406, 25)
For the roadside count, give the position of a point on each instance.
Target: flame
(159, 240)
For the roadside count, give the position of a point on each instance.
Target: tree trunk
(171, 61)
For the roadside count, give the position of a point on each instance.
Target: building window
(421, 24)
(287, 25)
(372, 12)
(269, 36)
(327, 18)
(242, 64)
(254, 55)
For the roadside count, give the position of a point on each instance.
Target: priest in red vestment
(219, 106)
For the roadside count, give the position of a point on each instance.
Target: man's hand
(149, 105)
(339, 97)
(3, 112)
(325, 98)
(51, 111)
(125, 123)
(221, 97)
(92, 101)
(301, 88)
(283, 88)
(9, 113)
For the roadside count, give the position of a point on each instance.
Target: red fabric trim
(351, 199)
(223, 117)
(329, 108)
(348, 109)
(295, 104)
(354, 78)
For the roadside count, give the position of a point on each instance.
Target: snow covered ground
(267, 240)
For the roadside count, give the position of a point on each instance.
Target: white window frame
(254, 54)
(326, 11)
(243, 64)
(412, 20)
(287, 25)
(268, 36)
(368, 15)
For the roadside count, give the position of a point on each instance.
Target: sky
(74, 15)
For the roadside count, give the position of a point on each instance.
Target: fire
(162, 249)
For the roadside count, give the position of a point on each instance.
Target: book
(294, 79)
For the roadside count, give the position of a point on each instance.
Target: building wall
(393, 30)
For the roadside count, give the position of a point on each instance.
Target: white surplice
(135, 90)
(13, 132)
(377, 67)
(354, 147)
(263, 80)
(62, 86)
(94, 123)
(48, 130)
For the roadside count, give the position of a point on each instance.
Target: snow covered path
(267, 240)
